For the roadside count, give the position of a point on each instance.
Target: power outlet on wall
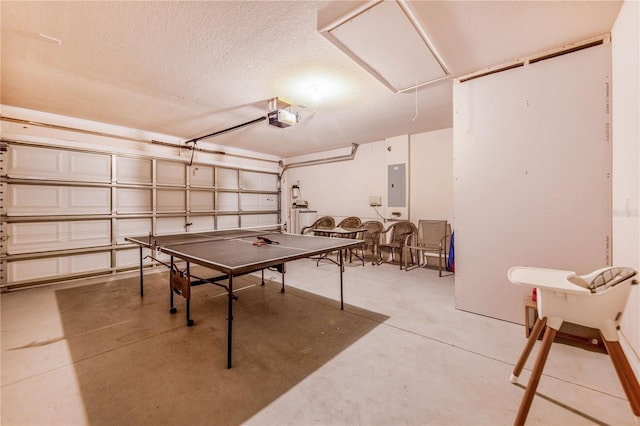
(375, 200)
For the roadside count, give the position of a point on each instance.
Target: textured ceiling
(191, 68)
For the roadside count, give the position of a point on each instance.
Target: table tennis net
(209, 236)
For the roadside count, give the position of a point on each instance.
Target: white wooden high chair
(596, 300)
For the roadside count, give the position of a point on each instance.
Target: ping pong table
(233, 253)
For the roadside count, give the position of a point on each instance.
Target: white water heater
(301, 217)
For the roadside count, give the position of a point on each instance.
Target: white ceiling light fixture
(318, 89)
(385, 38)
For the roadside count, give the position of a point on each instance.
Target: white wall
(339, 189)
(626, 159)
(342, 189)
(431, 176)
(532, 186)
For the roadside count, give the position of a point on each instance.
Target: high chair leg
(625, 374)
(530, 392)
(533, 336)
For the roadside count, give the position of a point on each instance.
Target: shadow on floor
(137, 364)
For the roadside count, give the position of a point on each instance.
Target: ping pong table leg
(282, 274)
(262, 270)
(229, 320)
(172, 308)
(188, 299)
(341, 271)
(141, 275)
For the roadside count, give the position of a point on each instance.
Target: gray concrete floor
(403, 355)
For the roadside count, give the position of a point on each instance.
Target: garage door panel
(88, 200)
(259, 220)
(42, 163)
(89, 262)
(89, 232)
(201, 200)
(31, 199)
(171, 200)
(170, 173)
(170, 225)
(130, 228)
(258, 181)
(89, 167)
(46, 268)
(57, 200)
(133, 170)
(25, 270)
(133, 200)
(31, 162)
(228, 222)
(227, 201)
(47, 236)
(131, 257)
(25, 237)
(201, 176)
(258, 202)
(201, 223)
(227, 178)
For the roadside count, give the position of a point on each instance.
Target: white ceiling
(192, 68)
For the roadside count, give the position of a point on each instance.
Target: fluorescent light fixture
(385, 38)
